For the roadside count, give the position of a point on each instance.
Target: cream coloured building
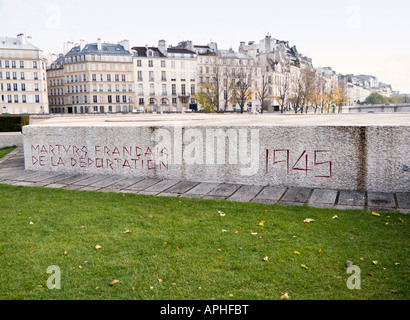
(165, 78)
(23, 84)
(96, 78)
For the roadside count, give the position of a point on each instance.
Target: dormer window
(149, 53)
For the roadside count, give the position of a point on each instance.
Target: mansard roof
(92, 48)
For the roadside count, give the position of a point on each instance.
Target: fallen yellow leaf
(262, 223)
(266, 258)
(320, 251)
(376, 214)
(308, 220)
(285, 296)
(303, 266)
(98, 246)
(114, 282)
(296, 252)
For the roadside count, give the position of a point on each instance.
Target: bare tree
(210, 92)
(262, 91)
(283, 92)
(243, 85)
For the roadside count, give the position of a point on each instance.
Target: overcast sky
(351, 36)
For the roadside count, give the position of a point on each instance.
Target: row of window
(183, 91)
(95, 109)
(151, 76)
(163, 64)
(95, 99)
(21, 64)
(21, 76)
(94, 78)
(19, 98)
(17, 87)
(95, 88)
(108, 88)
(102, 58)
(226, 61)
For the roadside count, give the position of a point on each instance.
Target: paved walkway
(12, 172)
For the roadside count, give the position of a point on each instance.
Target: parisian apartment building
(23, 80)
(92, 78)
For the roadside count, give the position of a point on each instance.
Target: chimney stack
(21, 38)
(82, 45)
(162, 46)
(99, 46)
(125, 44)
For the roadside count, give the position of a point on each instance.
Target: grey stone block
(245, 194)
(144, 184)
(148, 193)
(224, 190)
(380, 200)
(323, 198)
(352, 198)
(203, 188)
(77, 178)
(55, 186)
(347, 207)
(107, 182)
(162, 186)
(210, 197)
(296, 195)
(168, 194)
(270, 195)
(126, 183)
(182, 187)
(89, 188)
(403, 199)
(72, 187)
(90, 180)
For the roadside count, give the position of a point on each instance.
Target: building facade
(23, 83)
(95, 78)
(165, 78)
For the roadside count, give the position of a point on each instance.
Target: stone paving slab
(323, 198)
(144, 184)
(55, 186)
(76, 178)
(24, 176)
(352, 198)
(224, 190)
(90, 180)
(46, 177)
(123, 184)
(167, 194)
(162, 186)
(203, 188)
(107, 182)
(380, 200)
(210, 197)
(270, 195)
(245, 193)
(58, 179)
(182, 187)
(12, 173)
(403, 200)
(296, 195)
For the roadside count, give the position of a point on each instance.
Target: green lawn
(177, 249)
(5, 151)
